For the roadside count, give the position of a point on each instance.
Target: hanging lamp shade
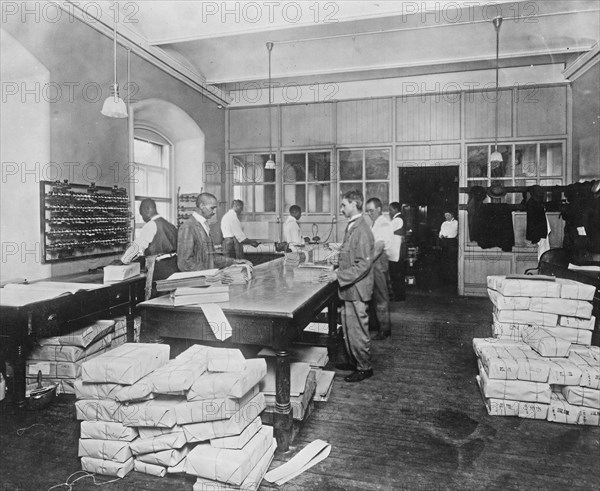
(270, 164)
(114, 106)
(496, 157)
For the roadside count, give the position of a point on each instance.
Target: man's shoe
(349, 367)
(381, 335)
(359, 375)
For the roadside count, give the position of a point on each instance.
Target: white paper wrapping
(69, 353)
(498, 407)
(582, 396)
(125, 364)
(563, 372)
(107, 430)
(523, 288)
(299, 403)
(212, 409)
(115, 450)
(165, 458)
(514, 363)
(151, 432)
(95, 391)
(577, 323)
(589, 416)
(539, 319)
(252, 481)
(589, 365)
(82, 337)
(514, 390)
(480, 343)
(98, 410)
(121, 327)
(107, 467)
(225, 360)
(502, 302)
(533, 410)
(159, 412)
(238, 441)
(248, 412)
(298, 374)
(547, 342)
(562, 306)
(59, 369)
(507, 330)
(576, 290)
(150, 469)
(158, 443)
(575, 336)
(561, 411)
(229, 384)
(227, 465)
(63, 385)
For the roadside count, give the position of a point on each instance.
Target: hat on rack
(496, 191)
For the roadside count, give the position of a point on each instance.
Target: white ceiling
(224, 42)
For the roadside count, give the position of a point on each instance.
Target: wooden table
(22, 323)
(272, 310)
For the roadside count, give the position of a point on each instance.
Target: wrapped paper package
(514, 363)
(589, 365)
(498, 407)
(115, 450)
(546, 342)
(225, 360)
(298, 374)
(63, 385)
(533, 410)
(98, 410)
(301, 402)
(563, 372)
(107, 467)
(165, 458)
(577, 323)
(158, 443)
(252, 481)
(315, 356)
(508, 330)
(150, 469)
(575, 336)
(523, 287)
(562, 306)
(212, 409)
(238, 441)
(96, 391)
(582, 396)
(589, 416)
(593, 351)
(121, 327)
(228, 384)
(125, 364)
(82, 337)
(561, 411)
(69, 353)
(176, 375)
(107, 430)
(502, 302)
(480, 343)
(227, 465)
(159, 412)
(248, 412)
(151, 432)
(178, 468)
(538, 319)
(514, 390)
(59, 369)
(576, 290)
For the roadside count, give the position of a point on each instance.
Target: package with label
(165, 441)
(533, 410)
(514, 363)
(119, 272)
(96, 391)
(576, 290)
(225, 360)
(159, 412)
(589, 416)
(248, 412)
(69, 353)
(563, 372)
(593, 351)
(98, 410)
(538, 319)
(125, 364)
(577, 323)
(508, 330)
(115, 450)
(107, 467)
(589, 365)
(238, 441)
(582, 396)
(298, 374)
(166, 458)
(546, 342)
(228, 384)
(82, 337)
(150, 469)
(228, 465)
(151, 432)
(315, 356)
(301, 402)
(502, 302)
(575, 336)
(498, 407)
(212, 409)
(53, 369)
(107, 430)
(480, 343)
(561, 411)
(252, 481)
(562, 306)
(523, 287)
(63, 385)
(514, 390)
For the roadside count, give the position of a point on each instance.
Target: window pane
(240, 163)
(319, 198)
(294, 167)
(350, 186)
(157, 184)
(264, 198)
(477, 161)
(245, 194)
(378, 190)
(525, 161)
(504, 168)
(319, 166)
(351, 162)
(377, 164)
(551, 159)
(294, 194)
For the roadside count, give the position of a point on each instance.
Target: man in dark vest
(157, 238)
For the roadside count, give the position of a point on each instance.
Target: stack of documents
(237, 274)
(190, 295)
(184, 279)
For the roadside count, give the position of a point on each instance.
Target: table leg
(130, 316)
(19, 374)
(332, 323)
(283, 408)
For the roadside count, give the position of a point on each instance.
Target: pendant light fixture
(114, 107)
(270, 164)
(496, 157)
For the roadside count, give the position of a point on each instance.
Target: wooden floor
(418, 424)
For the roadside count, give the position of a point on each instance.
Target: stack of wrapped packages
(120, 333)
(198, 414)
(58, 359)
(540, 364)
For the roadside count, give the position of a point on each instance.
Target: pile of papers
(185, 279)
(198, 414)
(190, 295)
(237, 274)
(310, 273)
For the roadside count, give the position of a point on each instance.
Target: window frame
(250, 208)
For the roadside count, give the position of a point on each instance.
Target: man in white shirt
(233, 235)
(379, 311)
(449, 238)
(291, 229)
(397, 256)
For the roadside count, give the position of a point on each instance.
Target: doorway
(425, 194)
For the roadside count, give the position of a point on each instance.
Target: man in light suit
(355, 279)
